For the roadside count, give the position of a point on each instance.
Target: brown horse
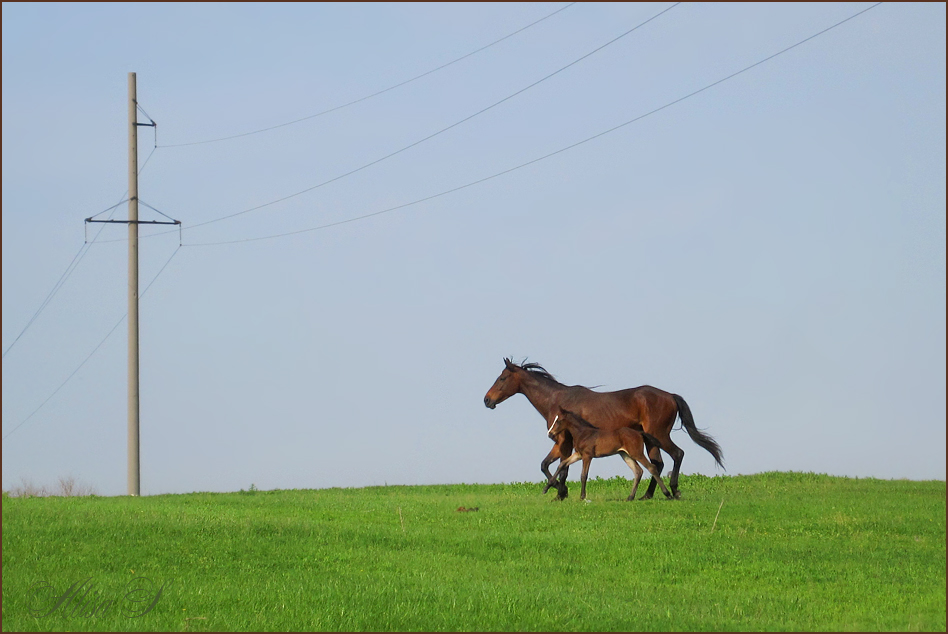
(644, 408)
(590, 442)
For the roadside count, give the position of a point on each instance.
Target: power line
(551, 154)
(74, 264)
(427, 138)
(375, 94)
(441, 131)
(49, 296)
(90, 355)
(150, 154)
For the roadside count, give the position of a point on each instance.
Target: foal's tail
(701, 439)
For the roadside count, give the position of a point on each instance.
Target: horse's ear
(508, 363)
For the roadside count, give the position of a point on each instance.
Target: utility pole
(134, 406)
(134, 409)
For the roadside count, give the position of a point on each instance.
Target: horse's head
(506, 385)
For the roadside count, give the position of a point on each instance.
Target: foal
(590, 442)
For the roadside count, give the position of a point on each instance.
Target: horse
(643, 408)
(590, 442)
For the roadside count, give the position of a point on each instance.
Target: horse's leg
(551, 457)
(562, 480)
(637, 470)
(562, 491)
(562, 449)
(678, 455)
(566, 450)
(562, 469)
(655, 455)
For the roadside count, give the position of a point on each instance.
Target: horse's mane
(537, 370)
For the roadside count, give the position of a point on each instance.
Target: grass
(788, 551)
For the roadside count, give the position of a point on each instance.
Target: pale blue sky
(772, 249)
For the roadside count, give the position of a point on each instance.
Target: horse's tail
(701, 439)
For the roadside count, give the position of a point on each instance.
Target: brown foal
(590, 442)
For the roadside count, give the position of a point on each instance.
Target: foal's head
(563, 419)
(558, 424)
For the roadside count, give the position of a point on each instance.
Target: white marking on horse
(553, 423)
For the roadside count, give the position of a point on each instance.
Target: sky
(593, 198)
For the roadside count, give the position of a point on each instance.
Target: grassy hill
(788, 551)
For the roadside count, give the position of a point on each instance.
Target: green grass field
(789, 551)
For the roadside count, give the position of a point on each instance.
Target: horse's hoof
(647, 496)
(677, 495)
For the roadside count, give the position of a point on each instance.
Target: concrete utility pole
(134, 409)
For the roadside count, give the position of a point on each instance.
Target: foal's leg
(637, 470)
(635, 451)
(586, 462)
(657, 478)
